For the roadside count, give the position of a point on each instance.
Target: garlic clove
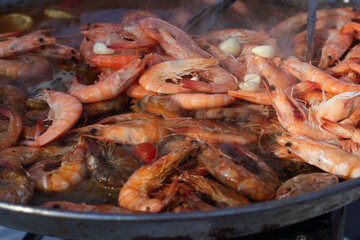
(266, 51)
(230, 46)
(249, 86)
(100, 48)
(252, 77)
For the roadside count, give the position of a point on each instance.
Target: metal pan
(222, 223)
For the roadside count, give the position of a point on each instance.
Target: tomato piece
(145, 152)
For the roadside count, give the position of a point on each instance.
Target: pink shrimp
(195, 101)
(65, 110)
(128, 132)
(155, 78)
(23, 44)
(299, 20)
(135, 90)
(71, 172)
(82, 207)
(111, 86)
(59, 51)
(334, 48)
(307, 72)
(182, 39)
(24, 66)
(134, 194)
(216, 80)
(10, 137)
(325, 156)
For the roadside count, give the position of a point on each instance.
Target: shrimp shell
(65, 110)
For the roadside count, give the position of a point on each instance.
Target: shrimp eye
(206, 46)
(88, 24)
(87, 65)
(93, 131)
(73, 51)
(193, 142)
(41, 40)
(48, 89)
(56, 206)
(329, 57)
(42, 46)
(282, 59)
(289, 152)
(288, 144)
(141, 56)
(272, 87)
(87, 39)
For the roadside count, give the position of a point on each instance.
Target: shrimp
(135, 90)
(65, 110)
(112, 86)
(9, 138)
(250, 112)
(236, 176)
(96, 108)
(23, 44)
(334, 47)
(293, 116)
(299, 20)
(82, 207)
(134, 193)
(227, 61)
(304, 183)
(196, 101)
(337, 108)
(24, 66)
(156, 78)
(133, 38)
(12, 96)
(114, 119)
(59, 51)
(158, 105)
(210, 132)
(154, 24)
(71, 172)
(86, 50)
(307, 72)
(112, 61)
(128, 132)
(216, 80)
(325, 156)
(218, 192)
(110, 164)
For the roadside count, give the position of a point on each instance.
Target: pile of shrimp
(171, 125)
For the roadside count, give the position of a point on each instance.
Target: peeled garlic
(251, 83)
(252, 77)
(230, 46)
(100, 48)
(266, 51)
(249, 86)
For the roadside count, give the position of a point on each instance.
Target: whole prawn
(71, 172)
(307, 72)
(238, 177)
(112, 86)
(325, 156)
(134, 193)
(65, 110)
(24, 66)
(155, 78)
